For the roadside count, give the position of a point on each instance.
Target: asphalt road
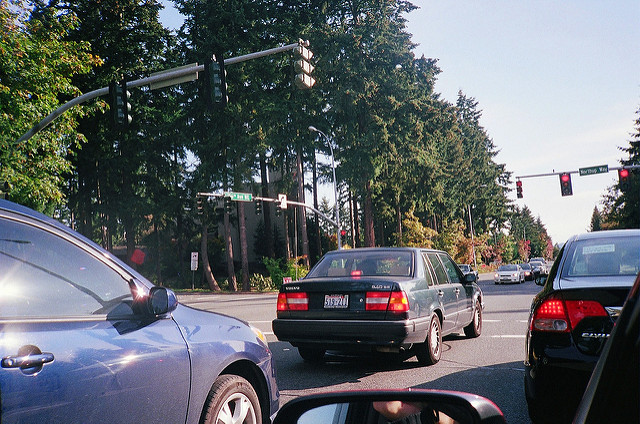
(490, 366)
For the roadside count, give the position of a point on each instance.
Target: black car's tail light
(561, 316)
(376, 301)
(396, 301)
(293, 301)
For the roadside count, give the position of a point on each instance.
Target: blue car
(84, 338)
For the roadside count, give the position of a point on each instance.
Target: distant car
(509, 274)
(87, 339)
(539, 266)
(468, 269)
(572, 317)
(528, 272)
(398, 300)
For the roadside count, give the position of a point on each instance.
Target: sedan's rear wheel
(429, 352)
(311, 354)
(232, 400)
(474, 329)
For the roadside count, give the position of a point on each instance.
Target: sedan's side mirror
(369, 406)
(541, 281)
(469, 278)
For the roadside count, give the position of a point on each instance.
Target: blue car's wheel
(232, 400)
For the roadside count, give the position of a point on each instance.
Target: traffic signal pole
(180, 74)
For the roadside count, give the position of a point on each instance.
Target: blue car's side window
(43, 275)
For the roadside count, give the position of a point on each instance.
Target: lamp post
(473, 246)
(335, 184)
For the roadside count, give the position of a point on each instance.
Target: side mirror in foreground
(361, 407)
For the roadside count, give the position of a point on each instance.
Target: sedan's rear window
(604, 256)
(356, 264)
(508, 268)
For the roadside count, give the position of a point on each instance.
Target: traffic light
(519, 189)
(200, 205)
(228, 204)
(623, 178)
(258, 207)
(301, 63)
(565, 184)
(343, 233)
(215, 81)
(120, 105)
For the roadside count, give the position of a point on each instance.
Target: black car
(572, 317)
(399, 300)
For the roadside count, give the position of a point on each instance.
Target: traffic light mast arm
(291, 202)
(611, 168)
(175, 73)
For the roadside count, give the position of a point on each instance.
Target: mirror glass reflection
(386, 411)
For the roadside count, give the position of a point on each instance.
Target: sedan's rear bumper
(350, 333)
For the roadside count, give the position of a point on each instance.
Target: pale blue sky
(558, 83)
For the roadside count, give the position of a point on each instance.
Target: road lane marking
(509, 336)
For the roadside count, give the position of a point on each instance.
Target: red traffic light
(623, 178)
(343, 233)
(519, 189)
(565, 184)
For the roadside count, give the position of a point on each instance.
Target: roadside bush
(279, 269)
(261, 283)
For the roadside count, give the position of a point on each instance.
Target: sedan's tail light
(293, 301)
(396, 301)
(562, 316)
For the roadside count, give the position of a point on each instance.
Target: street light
(335, 184)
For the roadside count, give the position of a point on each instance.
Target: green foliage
(37, 64)
(279, 269)
(261, 283)
(622, 202)
(414, 233)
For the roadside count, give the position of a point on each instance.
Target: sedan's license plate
(336, 301)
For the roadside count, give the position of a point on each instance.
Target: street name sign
(592, 170)
(240, 197)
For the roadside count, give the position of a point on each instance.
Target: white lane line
(509, 336)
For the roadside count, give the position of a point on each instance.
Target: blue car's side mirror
(161, 301)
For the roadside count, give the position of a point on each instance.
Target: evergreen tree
(30, 89)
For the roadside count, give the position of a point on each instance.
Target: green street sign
(592, 170)
(240, 197)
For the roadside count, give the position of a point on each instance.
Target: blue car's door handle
(27, 361)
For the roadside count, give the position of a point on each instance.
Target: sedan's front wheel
(232, 400)
(429, 352)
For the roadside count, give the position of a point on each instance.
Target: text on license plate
(336, 301)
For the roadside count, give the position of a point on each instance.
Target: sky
(558, 84)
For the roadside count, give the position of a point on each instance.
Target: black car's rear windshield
(355, 264)
(603, 256)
